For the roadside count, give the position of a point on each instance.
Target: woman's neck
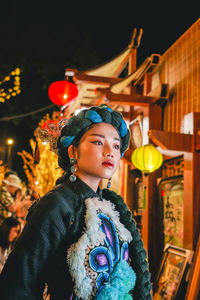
(91, 181)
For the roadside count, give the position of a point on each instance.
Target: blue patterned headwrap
(79, 124)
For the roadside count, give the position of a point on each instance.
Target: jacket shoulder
(61, 199)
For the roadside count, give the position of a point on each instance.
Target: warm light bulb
(10, 141)
(65, 96)
(17, 71)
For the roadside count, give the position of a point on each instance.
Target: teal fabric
(122, 281)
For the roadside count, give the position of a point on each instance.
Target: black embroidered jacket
(53, 225)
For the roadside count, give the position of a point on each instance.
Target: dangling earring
(109, 183)
(72, 177)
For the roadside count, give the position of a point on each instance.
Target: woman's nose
(108, 152)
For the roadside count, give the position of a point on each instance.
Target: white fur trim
(108, 208)
(92, 235)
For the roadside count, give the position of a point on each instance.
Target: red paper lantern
(62, 92)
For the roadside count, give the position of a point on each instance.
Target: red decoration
(62, 92)
(49, 124)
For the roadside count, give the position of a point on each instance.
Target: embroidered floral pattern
(103, 244)
(102, 259)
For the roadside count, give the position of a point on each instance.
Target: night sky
(109, 26)
(48, 34)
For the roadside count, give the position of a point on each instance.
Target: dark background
(42, 39)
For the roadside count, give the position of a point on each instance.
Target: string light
(7, 93)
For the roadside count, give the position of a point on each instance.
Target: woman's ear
(72, 152)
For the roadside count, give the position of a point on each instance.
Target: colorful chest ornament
(98, 262)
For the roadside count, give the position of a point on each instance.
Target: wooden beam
(70, 72)
(171, 140)
(100, 80)
(123, 99)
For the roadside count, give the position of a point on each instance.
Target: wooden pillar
(151, 225)
(191, 185)
(132, 61)
(128, 178)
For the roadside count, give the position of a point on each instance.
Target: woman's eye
(97, 143)
(117, 147)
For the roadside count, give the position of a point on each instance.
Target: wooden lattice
(180, 68)
(173, 167)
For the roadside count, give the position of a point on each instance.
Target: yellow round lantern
(147, 159)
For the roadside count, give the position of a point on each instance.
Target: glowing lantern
(147, 159)
(62, 92)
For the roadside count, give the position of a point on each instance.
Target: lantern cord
(26, 114)
(144, 197)
(145, 175)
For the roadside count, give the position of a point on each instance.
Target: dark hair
(5, 228)
(79, 124)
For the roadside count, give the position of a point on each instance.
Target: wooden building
(179, 67)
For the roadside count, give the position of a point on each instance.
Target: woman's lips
(108, 164)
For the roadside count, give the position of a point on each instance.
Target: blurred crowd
(15, 201)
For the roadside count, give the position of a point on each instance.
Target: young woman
(79, 240)
(9, 231)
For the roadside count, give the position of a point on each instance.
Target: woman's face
(14, 231)
(98, 154)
